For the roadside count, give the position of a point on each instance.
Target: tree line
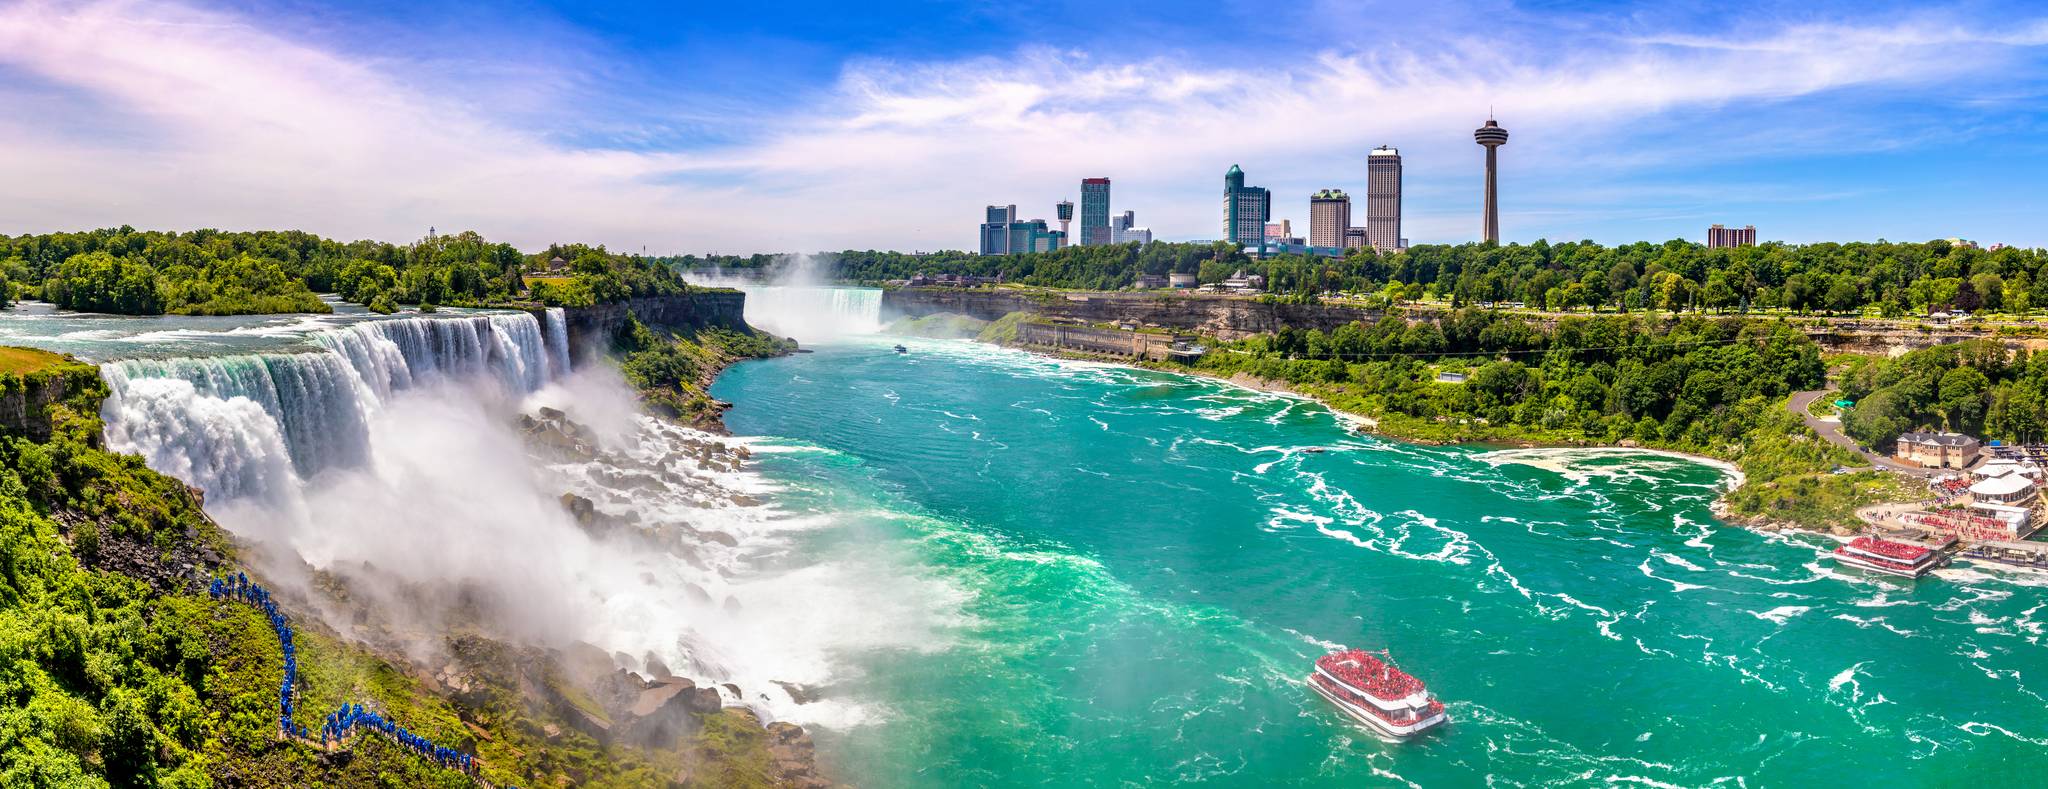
(1888, 278)
(1689, 382)
(213, 272)
(1979, 387)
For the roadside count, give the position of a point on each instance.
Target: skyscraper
(1383, 199)
(1245, 210)
(1095, 211)
(1066, 213)
(1329, 215)
(995, 232)
(1493, 137)
(1718, 236)
(1124, 229)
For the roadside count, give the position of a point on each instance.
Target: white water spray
(797, 302)
(390, 457)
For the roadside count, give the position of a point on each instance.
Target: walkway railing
(350, 718)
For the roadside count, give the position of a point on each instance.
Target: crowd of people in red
(1367, 672)
(1887, 548)
(1900, 566)
(1405, 717)
(1968, 527)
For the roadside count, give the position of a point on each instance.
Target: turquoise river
(1130, 573)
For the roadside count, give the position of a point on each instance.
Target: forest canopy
(212, 272)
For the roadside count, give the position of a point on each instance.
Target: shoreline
(1731, 474)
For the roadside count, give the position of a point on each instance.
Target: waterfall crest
(814, 314)
(218, 422)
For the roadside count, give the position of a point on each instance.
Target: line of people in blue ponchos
(344, 722)
(351, 717)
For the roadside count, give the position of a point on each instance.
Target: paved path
(1832, 431)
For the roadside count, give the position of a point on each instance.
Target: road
(1832, 431)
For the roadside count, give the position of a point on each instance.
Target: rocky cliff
(1227, 317)
(1235, 317)
(26, 397)
(694, 310)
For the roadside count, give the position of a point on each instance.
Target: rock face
(25, 399)
(591, 328)
(1226, 317)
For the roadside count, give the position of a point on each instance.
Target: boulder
(580, 508)
(798, 693)
(663, 694)
(667, 709)
(704, 701)
(720, 537)
(586, 661)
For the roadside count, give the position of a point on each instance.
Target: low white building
(2013, 490)
(2006, 467)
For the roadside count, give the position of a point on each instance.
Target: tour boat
(1891, 558)
(901, 349)
(1370, 689)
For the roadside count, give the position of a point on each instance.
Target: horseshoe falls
(1126, 575)
(810, 313)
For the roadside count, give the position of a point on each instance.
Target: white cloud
(180, 117)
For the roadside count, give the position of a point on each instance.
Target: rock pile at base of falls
(621, 706)
(551, 436)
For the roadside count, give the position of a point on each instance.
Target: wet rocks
(798, 693)
(552, 434)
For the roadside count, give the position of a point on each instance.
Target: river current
(1132, 571)
(975, 566)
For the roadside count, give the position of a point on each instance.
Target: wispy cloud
(182, 116)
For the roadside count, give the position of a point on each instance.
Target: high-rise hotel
(1095, 211)
(1383, 200)
(1329, 215)
(1718, 236)
(1245, 210)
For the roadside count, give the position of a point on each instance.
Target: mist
(796, 299)
(459, 517)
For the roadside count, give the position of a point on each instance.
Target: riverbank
(673, 368)
(1766, 495)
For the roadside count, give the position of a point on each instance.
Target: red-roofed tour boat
(1368, 687)
(1905, 560)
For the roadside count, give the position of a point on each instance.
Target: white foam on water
(1781, 614)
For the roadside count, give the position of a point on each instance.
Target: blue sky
(697, 127)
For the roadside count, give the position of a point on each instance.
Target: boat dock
(2019, 554)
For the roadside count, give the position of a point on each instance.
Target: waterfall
(558, 339)
(386, 452)
(227, 424)
(814, 314)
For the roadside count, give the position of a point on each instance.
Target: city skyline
(646, 127)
